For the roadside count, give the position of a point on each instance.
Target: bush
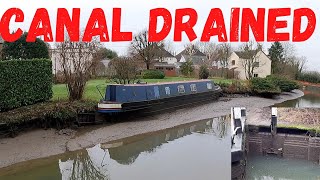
(236, 87)
(283, 83)
(313, 77)
(21, 49)
(187, 68)
(59, 78)
(264, 87)
(153, 74)
(57, 115)
(203, 72)
(24, 82)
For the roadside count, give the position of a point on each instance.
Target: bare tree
(125, 70)
(289, 50)
(168, 46)
(224, 52)
(250, 58)
(293, 65)
(145, 50)
(297, 65)
(210, 50)
(191, 49)
(76, 60)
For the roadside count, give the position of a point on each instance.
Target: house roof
(184, 52)
(163, 65)
(165, 53)
(246, 54)
(249, 54)
(196, 60)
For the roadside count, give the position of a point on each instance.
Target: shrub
(313, 77)
(283, 83)
(187, 68)
(24, 82)
(153, 74)
(59, 78)
(236, 87)
(203, 72)
(21, 49)
(57, 115)
(264, 87)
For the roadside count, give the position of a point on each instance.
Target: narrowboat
(156, 97)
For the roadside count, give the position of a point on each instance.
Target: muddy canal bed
(199, 150)
(274, 168)
(44, 143)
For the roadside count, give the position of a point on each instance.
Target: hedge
(285, 85)
(153, 74)
(264, 87)
(24, 82)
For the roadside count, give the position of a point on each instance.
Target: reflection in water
(199, 150)
(82, 167)
(310, 99)
(274, 168)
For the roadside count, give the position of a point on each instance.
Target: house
(238, 61)
(166, 62)
(102, 69)
(72, 57)
(193, 54)
(161, 57)
(168, 69)
(166, 57)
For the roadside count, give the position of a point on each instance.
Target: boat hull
(164, 104)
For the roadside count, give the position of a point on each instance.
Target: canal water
(199, 150)
(276, 168)
(311, 99)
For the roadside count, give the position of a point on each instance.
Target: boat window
(209, 85)
(181, 89)
(167, 90)
(193, 87)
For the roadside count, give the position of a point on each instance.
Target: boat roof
(162, 83)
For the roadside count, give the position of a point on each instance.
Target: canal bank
(44, 143)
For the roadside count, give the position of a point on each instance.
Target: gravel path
(44, 143)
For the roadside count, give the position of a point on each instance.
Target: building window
(167, 89)
(209, 85)
(256, 64)
(255, 75)
(233, 62)
(193, 87)
(181, 89)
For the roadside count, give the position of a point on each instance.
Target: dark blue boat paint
(149, 93)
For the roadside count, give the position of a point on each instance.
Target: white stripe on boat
(109, 106)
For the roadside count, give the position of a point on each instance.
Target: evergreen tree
(276, 55)
(107, 53)
(187, 68)
(21, 49)
(203, 72)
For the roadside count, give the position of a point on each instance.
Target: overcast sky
(135, 17)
